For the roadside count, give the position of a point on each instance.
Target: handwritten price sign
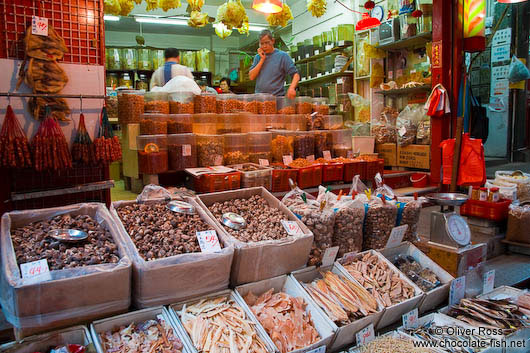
(37, 270)
(396, 236)
(39, 26)
(327, 155)
(410, 319)
(329, 256)
(264, 162)
(287, 159)
(321, 349)
(291, 227)
(489, 281)
(366, 335)
(208, 241)
(457, 290)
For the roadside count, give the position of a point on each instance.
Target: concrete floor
(118, 192)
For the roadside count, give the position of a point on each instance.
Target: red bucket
(419, 180)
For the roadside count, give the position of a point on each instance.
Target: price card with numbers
(310, 158)
(457, 290)
(396, 236)
(291, 227)
(39, 26)
(264, 162)
(327, 155)
(410, 319)
(36, 271)
(321, 349)
(366, 335)
(208, 241)
(287, 160)
(329, 256)
(489, 282)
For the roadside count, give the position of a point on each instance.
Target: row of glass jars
(134, 58)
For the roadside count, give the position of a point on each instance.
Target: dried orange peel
(151, 148)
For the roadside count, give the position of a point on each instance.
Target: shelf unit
(408, 43)
(323, 54)
(404, 91)
(327, 77)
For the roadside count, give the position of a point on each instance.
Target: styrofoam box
(344, 335)
(41, 343)
(395, 334)
(436, 296)
(115, 322)
(289, 286)
(392, 313)
(175, 308)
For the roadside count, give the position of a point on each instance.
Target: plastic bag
(358, 128)
(522, 181)
(384, 127)
(472, 169)
(380, 219)
(362, 108)
(518, 224)
(518, 71)
(348, 227)
(179, 84)
(153, 192)
(407, 125)
(358, 187)
(378, 75)
(296, 196)
(423, 136)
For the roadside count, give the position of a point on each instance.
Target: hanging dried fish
(51, 47)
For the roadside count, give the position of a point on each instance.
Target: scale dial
(378, 12)
(458, 229)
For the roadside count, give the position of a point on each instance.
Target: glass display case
(259, 146)
(152, 154)
(210, 150)
(235, 149)
(153, 124)
(181, 103)
(156, 102)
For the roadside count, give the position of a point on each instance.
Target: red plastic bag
(472, 167)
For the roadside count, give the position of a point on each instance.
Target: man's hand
(291, 93)
(261, 53)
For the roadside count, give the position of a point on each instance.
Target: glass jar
(342, 143)
(253, 122)
(303, 105)
(494, 195)
(227, 103)
(266, 103)
(158, 58)
(152, 154)
(259, 147)
(335, 32)
(275, 122)
(144, 59)
(181, 103)
(308, 44)
(285, 105)
(111, 103)
(113, 56)
(329, 62)
(125, 81)
(206, 123)
(179, 123)
(483, 194)
(327, 38)
(323, 142)
(210, 150)
(250, 103)
(130, 106)
(153, 124)
(327, 122)
(320, 105)
(182, 151)
(345, 34)
(293, 49)
(235, 149)
(229, 123)
(304, 144)
(156, 102)
(128, 59)
(143, 82)
(317, 43)
(112, 80)
(205, 103)
(295, 122)
(320, 67)
(282, 144)
(300, 51)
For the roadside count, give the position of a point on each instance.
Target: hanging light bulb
(367, 22)
(267, 6)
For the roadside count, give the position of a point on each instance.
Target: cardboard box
(457, 261)
(265, 259)
(388, 152)
(71, 296)
(42, 343)
(175, 278)
(494, 244)
(414, 156)
(288, 285)
(436, 296)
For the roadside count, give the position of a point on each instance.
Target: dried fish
(384, 284)
(151, 336)
(344, 301)
(220, 325)
(285, 319)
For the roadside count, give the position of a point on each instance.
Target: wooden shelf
(409, 43)
(326, 77)
(321, 55)
(404, 91)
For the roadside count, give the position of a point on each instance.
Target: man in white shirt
(171, 69)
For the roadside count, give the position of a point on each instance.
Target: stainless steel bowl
(447, 198)
(68, 235)
(234, 221)
(181, 207)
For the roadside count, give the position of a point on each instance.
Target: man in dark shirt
(271, 66)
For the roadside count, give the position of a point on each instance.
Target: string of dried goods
(152, 336)
(232, 14)
(14, 145)
(281, 18)
(220, 325)
(49, 147)
(51, 47)
(32, 243)
(385, 285)
(342, 300)
(285, 319)
(316, 7)
(107, 146)
(83, 149)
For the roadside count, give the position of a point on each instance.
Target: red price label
(39, 26)
(291, 227)
(36, 269)
(208, 241)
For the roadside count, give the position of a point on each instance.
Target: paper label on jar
(186, 150)
(366, 335)
(390, 75)
(263, 162)
(291, 227)
(218, 160)
(410, 319)
(306, 55)
(208, 241)
(396, 236)
(329, 256)
(327, 155)
(36, 271)
(310, 158)
(329, 47)
(319, 74)
(287, 160)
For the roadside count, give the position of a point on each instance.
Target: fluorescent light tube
(164, 21)
(111, 18)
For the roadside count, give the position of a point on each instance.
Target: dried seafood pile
(424, 278)
(386, 344)
(220, 325)
(490, 313)
(343, 300)
(151, 336)
(284, 318)
(384, 284)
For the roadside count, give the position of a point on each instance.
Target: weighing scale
(447, 227)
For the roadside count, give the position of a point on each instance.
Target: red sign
(437, 55)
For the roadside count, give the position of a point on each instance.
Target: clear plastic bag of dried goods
(518, 71)
(296, 196)
(358, 128)
(380, 218)
(153, 192)
(409, 210)
(407, 124)
(383, 189)
(518, 224)
(179, 84)
(358, 188)
(384, 126)
(423, 136)
(348, 228)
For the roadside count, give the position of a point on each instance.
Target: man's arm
(256, 66)
(291, 92)
(154, 81)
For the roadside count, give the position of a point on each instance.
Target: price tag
(341, 43)
(396, 236)
(327, 72)
(410, 319)
(317, 52)
(208, 241)
(38, 271)
(350, 154)
(329, 47)
(319, 74)
(366, 335)
(321, 349)
(457, 290)
(291, 227)
(310, 158)
(329, 256)
(264, 162)
(39, 26)
(218, 160)
(413, 71)
(489, 281)
(390, 75)
(186, 150)
(306, 55)
(287, 160)
(402, 131)
(340, 81)
(326, 155)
